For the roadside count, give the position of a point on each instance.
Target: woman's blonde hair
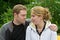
(41, 10)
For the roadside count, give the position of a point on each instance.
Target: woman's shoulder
(31, 26)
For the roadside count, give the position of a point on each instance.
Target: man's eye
(33, 16)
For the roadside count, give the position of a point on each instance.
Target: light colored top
(47, 34)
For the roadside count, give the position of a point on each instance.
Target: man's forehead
(23, 12)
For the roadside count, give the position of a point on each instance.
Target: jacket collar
(32, 26)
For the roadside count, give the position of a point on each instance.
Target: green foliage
(29, 6)
(6, 16)
(3, 6)
(6, 11)
(11, 3)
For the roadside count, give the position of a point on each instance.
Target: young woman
(39, 27)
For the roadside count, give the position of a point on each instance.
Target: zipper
(39, 37)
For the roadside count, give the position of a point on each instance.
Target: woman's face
(36, 19)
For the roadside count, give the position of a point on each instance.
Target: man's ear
(15, 15)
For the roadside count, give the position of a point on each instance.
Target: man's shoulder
(6, 25)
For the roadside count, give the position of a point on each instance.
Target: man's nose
(24, 17)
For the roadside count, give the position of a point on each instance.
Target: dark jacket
(6, 29)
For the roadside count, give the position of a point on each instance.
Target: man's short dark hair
(18, 7)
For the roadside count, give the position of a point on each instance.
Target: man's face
(21, 16)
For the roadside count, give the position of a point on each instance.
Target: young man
(16, 29)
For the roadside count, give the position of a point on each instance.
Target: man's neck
(16, 22)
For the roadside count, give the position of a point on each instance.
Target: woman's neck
(40, 26)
